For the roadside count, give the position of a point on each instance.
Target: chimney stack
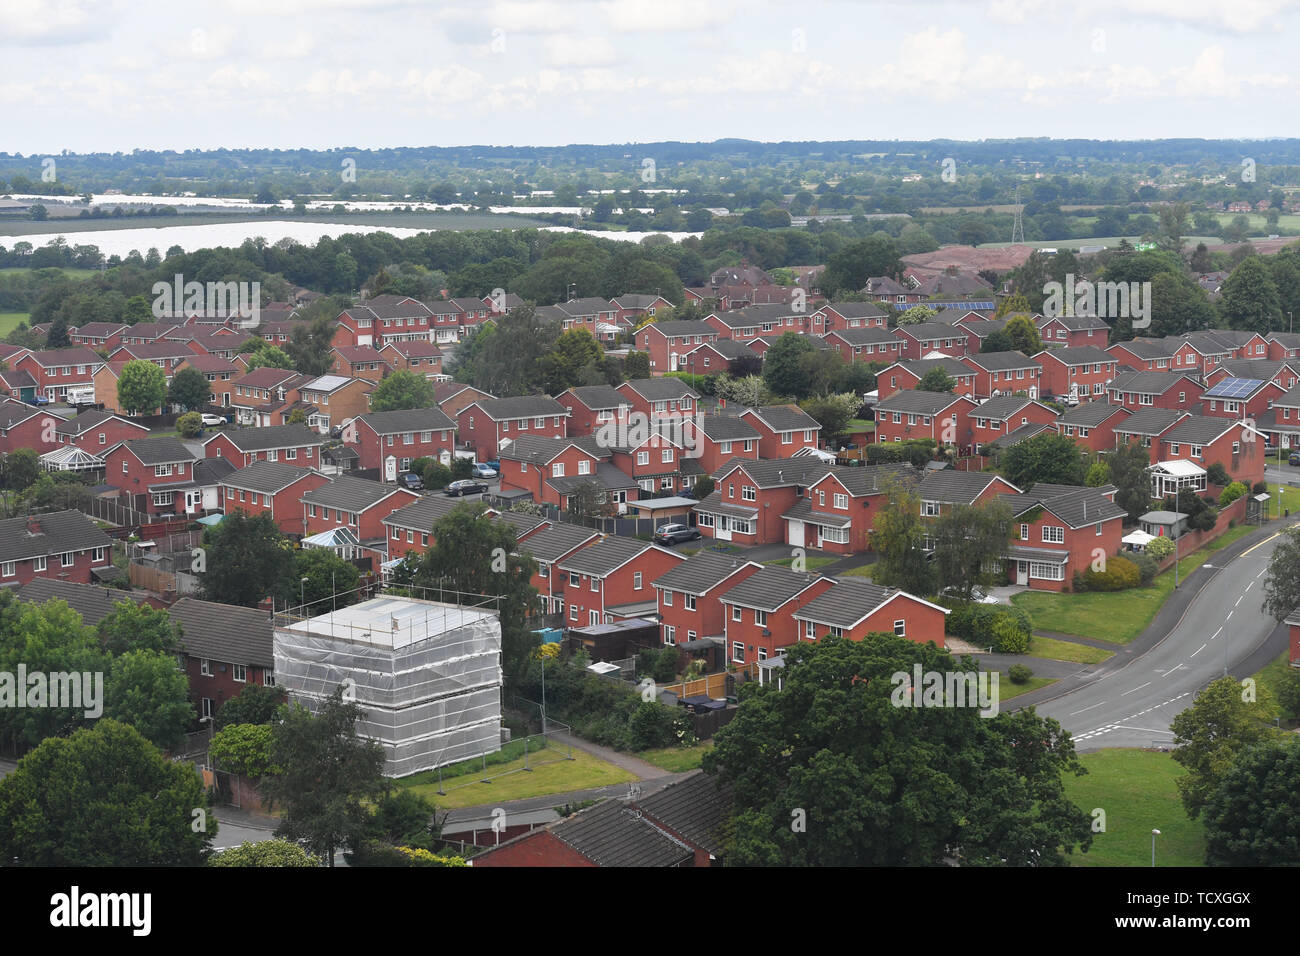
(34, 525)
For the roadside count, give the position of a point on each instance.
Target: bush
(436, 475)
(1079, 583)
(1231, 494)
(1160, 548)
(1119, 574)
(1216, 474)
(1009, 637)
(1146, 566)
(1019, 673)
(1260, 488)
(189, 425)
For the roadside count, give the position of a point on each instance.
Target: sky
(117, 75)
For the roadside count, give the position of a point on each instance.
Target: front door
(1022, 572)
(723, 530)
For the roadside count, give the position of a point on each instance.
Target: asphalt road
(1130, 701)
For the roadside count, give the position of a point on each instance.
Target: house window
(668, 598)
(735, 613)
(1024, 532)
(666, 456)
(573, 613)
(810, 630)
(636, 581)
(643, 458)
(38, 563)
(207, 707)
(557, 470)
(748, 493)
(595, 583)
(738, 651)
(1046, 572)
(900, 629)
(162, 471)
(670, 634)
(205, 667)
(584, 467)
(1053, 534)
(760, 618)
(841, 501)
(7, 569)
(241, 673)
(787, 438)
(688, 601)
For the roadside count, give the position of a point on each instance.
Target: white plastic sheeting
(431, 694)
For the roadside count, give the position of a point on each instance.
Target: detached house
(940, 416)
(591, 406)
(838, 316)
(22, 426)
(551, 468)
(783, 430)
(1147, 427)
(1059, 531)
(660, 397)
(64, 545)
(57, 370)
(423, 358)
(274, 488)
(1168, 390)
(1073, 331)
(718, 439)
(260, 393)
(333, 400)
(1206, 439)
(998, 417)
(150, 472)
(549, 545)
(837, 512)
(1005, 373)
(865, 344)
(1092, 424)
(486, 426)
(924, 339)
(1143, 356)
(292, 444)
(223, 650)
(688, 604)
(404, 435)
(359, 361)
(1077, 372)
(1282, 424)
(907, 375)
(854, 608)
(757, 321)
(1240, 398)
(712, 358)
(96, 432)
(940, 491)
(749, 502)
(219, 372)
(667, 342)
(610, 580)
(355, 504)
(101, 336)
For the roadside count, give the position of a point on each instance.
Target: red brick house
(837, 512)
(611, 579)
(783, 430)
(62, 545)
(1168, 390)
(549, 545)
(660, 397)
(1080, 371)
(667, 342)
(1206, 439)
(1293, 624)
(1005, 373)
(274, 488)
(1092, 424)
(941, 416)
(1284, 372)
(653, 461)
(1059, 531)
(998, 417)
(717, 439)
(1073, 331)
(331, 401)
(1282, 423)
(940, 491)
(156, 474)
(486, 426)
(96, 431)
(359, 361)
(712, 358)
(257, 394)
(872, 344)
(405, 435)
(759, 612)
(220, 373)
(100, 336)
(292, 444)
(854, 608)
(550, 468)
(1283, 345)
(354, 503)
(629, 309)
(591, 406)
(409, 529)
(757, 321)
(384, 319)
(750, 499)
(57, 370)
(17, 383)
(687, 595)
(144, 332)
(23, 426)
(837, 316)
(1142, 356)
(166, 354)
(907, 375)
(453, 397)
(224, 649)
(1240, 398)
(424, 358)
(1147, 427)
(926, 338)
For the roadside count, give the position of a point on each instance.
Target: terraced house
(65, 545)
(610, 579)
(688, 607)
(942, 417)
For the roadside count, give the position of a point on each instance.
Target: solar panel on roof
(1234, 388)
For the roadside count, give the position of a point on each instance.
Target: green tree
(562, 366)
(268, 356)
(265, 853)
(703, 487)
(1282, 580)
(401, 390)
(898, 537)
(325, 774)
(636, 366)
(1012, 304)
(1023, 335)
(190, 389)
(331, 581)
(149, 692)
(968, 543)
(244, 749)
(1253, 816)
(833, 413)
(1048, 456)
(104, 796)
(936, 380)
(189, 425)
(255, 704)
(139, 627)
(1208, 736)
(1249, 298)
(1098, 475)
(22, 467)
(916, 315)
(141, 386)
(849, 269)
(781, 369)
(247, 560)
(834, 752)
(1128, 473)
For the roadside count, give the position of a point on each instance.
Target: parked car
(465, 487)
(494, 464)
(207, 419)
(412, 481)
(977, 594)
(675, 533)
(485, 470)
(1293, 458)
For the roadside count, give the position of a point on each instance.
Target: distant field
(70, 273)
(9, 321)
(1136, 789)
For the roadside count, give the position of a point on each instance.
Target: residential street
(1211, 623)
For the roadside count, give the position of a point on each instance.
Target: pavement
(1210, 625)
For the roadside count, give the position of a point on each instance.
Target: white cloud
(52, 21)
(579, 51)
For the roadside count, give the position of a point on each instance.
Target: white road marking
(1086, 709)
(1238, 601)
(1198, 650)
(1248, 587)
(1229, 617)
(1216, 633)
(1135, 689)
(1171, 670)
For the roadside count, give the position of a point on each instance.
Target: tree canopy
(402, 389)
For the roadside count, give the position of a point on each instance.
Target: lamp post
(1154, 834)
(302, 600)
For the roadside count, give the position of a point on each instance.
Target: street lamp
(302, 600)
(1154, 834)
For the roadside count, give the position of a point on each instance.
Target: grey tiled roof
(606, 475)
(520, 522)
(159, 451)
(93, 603)
(598, 397)
(1076, 323)
(778, 472)
(872, 335)
(348, 493)
(422, 515)
(1000, 407)
(848, 602)
(954, 487)
(767, 589)
(928, 331)
(524, 406)
(700, 572)
(917, 402)
(84, 422)
(1077, 506)
(695, 809)
(713, 504)
(1149, 421)
(803, 511)
(1150, 383)
(954, 367)
(785, 418)
(873, 479)
(408, 420)
(727, 428)
(1002, 361)
(727, 348)
(605, 555)
(661, 389)
(677, 328)
(611, 834)
(536, 450)
(855, 310)
(1091, 414)
(1023, 433)
(1200, 429)
(550, 544)
(224, 632)
(1148, 350)
(266, 477)
(1079, 355)
(272, 436)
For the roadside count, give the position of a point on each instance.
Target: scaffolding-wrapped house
(426, 674)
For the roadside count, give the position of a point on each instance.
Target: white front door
(723, 529)
(1022, 572)
(794, 533)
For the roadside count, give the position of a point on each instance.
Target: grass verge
(677, 759)
(1008, 690)
(1050, 647)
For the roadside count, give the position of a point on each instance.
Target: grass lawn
(860, 425)
(810, 564)
(1229, 536)
(860, 572)
(9, 321)
(1268, 680)
(1067, 650)
(1007, 690)
(677, 759)
(1290, 498)
(557, 776)
(1136, 789)
(1117, 616)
